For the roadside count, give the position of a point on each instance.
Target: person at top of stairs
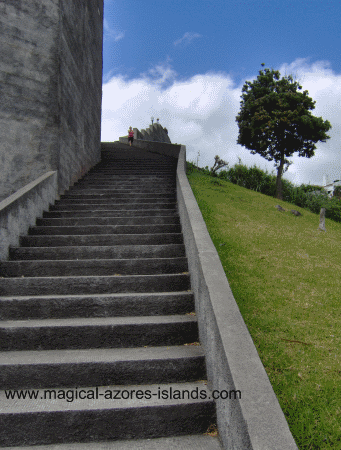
(130, 136)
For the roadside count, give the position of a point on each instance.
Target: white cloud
(200, 113)
(187, 38)
(161, 74)
(109, 33)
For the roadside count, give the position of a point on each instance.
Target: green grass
(285, 277)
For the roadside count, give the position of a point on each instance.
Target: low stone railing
(254, 421)
(19, 211)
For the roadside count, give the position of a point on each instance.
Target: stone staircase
(95, 304)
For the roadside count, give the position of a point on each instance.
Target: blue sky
(186, 61)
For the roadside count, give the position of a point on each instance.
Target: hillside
(285, 277)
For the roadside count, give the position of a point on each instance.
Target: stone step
(132, 164)
(95, 305)
(142, 167)
(113, 206)
(80, 221)
(101, 367)
(112, 213)
(99, 295)
(103, 332)
(102, 240)
(43, 421)
(109, 162)
(93, 267)
(92, 252)
(148, 168)
(125, 177)
(81, 195)
(138, 163)
(121, 186)
(94, 284)
(132, 184)
(147, 172)
(104, 229)
(113, 200)
(77, 190)
(191, 442)
(158, 182)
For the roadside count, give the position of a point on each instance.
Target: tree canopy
(275, 120)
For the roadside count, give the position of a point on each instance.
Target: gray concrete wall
(29, 71)
(50, 88)
(255, 421)
(19, 211)
(80, 88)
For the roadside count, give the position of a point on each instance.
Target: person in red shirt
(130, 136)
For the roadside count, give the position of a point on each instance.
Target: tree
(218, 164)
(275, 121)
(337, 192)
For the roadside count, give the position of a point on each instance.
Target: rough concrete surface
(195, 442)
(51, 84)
(19, 211)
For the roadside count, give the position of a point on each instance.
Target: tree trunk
(279, 180)
(322, 225)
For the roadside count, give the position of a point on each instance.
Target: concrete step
(192, 442)
(104, 332)
(114, 183)
(113, 206)
(126, 178)
(135, 163)
(104, 229)
(108, 195)
(79, 221)
(103, 189)
(93, 267)
(102, 240)
(147, 173)
(94, 284)
(112, 213)
(123, 187)
(141, 164)
(44, 421)
(140, 169)
(92, 252)
(96, 305)
(101, 367)
(99, 295)
(114, 200)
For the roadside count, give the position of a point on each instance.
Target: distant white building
(330, 186)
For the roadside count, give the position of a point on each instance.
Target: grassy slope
(285, 277)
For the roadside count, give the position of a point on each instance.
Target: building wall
(29, 119)
(50, 90)
(80, 88)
